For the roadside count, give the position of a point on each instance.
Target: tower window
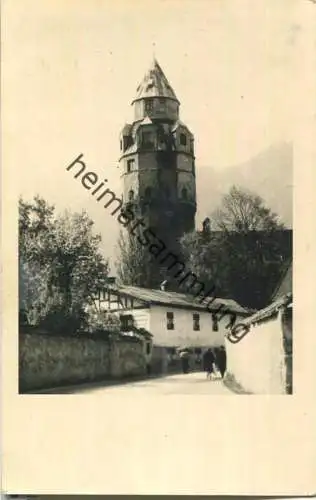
(196, 322)
(148, 140)
(184, 194)
(130, 195)
(170, 320)
(183, 139)
(161, 106)
(130, 165)
(121, 144)
(149, 104)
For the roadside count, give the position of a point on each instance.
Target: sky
(71, 70)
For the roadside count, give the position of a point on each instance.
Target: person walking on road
(221, 360)
(184, 355)
(208, 360)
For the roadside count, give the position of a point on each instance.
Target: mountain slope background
(269, 174)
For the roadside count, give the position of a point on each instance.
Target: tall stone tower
(157, 161)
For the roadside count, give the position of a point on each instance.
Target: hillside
(269, 174)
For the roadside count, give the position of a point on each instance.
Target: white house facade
(175, 320)
(260, 354)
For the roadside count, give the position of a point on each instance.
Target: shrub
(102, 321)
(57, 320)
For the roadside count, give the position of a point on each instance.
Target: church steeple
(155, 98)
(155, 84)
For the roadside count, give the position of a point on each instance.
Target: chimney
(163, 285)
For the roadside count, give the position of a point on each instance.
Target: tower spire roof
(155, 84)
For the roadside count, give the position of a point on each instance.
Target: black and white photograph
(155, 209)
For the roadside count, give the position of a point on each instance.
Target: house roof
(155, 84)
(269, 311)
(181, 300)
(126, 129)
(131, 149)
(178, 124)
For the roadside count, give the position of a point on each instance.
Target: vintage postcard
(158, 169)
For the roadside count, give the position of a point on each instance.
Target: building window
(148, 141)
(130, 195)
(183, 139)
(215, 323)
(148, 348)
(127, 322)
(184, 194)
(121, 144)
(130, 165)
(149, 104)
(170, 321)
(196, 322)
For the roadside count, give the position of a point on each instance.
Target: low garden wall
(47, 360)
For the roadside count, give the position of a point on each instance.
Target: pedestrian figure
(221, 360)
(185, 361)
(208, 360)
(215, 353)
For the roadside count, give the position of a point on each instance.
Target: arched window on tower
(130, 165)
(183, 139)
(130, 195)
(184, 194)
(148, 139)
(149, 104)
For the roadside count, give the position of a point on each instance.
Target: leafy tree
(60, 262)
(244, 211)
(99, 321)
(242, 252)
(35, 223)
(203, 256)
(135, 266)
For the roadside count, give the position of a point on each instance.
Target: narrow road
(191, 383)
